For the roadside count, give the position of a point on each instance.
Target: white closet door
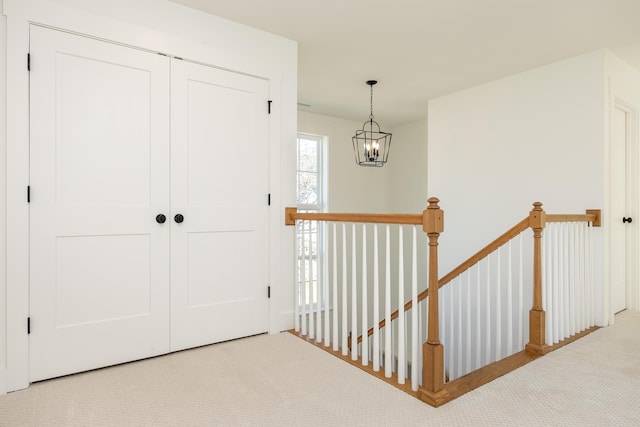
(219, 184)
(99, 176)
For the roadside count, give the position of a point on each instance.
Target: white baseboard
(285, 322)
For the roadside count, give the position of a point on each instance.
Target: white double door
(119, 138)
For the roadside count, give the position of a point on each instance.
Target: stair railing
(466, 321)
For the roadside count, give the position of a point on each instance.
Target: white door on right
(621, 222)
(219, 193)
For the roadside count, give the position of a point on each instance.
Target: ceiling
(422, 49)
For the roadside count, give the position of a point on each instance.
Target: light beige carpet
(282, 381)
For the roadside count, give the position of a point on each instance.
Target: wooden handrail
(378, 218)
(573, 218)
(291, 215)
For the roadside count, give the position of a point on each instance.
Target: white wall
(351, 188)
(496, 148)
(156, 25)
(408, 168)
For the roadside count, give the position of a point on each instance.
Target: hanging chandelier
(371, 145)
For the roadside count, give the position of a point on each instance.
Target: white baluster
(498, 305)
(556, 286)
(303, 283)
(421, 329)
(317, 291)
(406, 343)
(560, 284)
(591, 282)
(565, 283)
(388, 363)
(325, 290)
(365, 302)
(582, 278)
(468, 331)
(521, 312)
(334, 336)
(478, 348)
(376, 303)
(488, 308)
(443, 304)
(345, 326)
(394, 333)
(589, 277)
(297, 277)
(319, 284)
(450, 339)
(510, 349)
(547, 283)
(354, 297)
(578, 276)
(415, 347)
(401, 347)
(572, 278)
(459, 349)
(310, 291)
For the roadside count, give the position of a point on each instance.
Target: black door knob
(160, 218)
(178, 218)
(626, 219)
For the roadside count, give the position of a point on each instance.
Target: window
(310, 174)
(310, 198)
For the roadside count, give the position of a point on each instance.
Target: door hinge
(268, 291)
(28, 194)
(28, 61)
(28, 325)
(269, 106)
(269, 199)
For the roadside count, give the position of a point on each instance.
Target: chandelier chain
(371, 105)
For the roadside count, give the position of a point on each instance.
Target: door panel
(219, 160)
(99, 175)
(113, 285)
(618, 203)
(618, 263)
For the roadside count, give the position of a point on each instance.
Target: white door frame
(195, 40)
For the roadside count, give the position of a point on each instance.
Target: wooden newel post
(537, 335)
(432, 390)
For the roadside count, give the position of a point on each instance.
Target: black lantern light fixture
(371, 145)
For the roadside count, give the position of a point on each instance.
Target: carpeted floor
(282, 381)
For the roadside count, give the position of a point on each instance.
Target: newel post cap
(537, 216)
(433, 217)
(288, 216)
